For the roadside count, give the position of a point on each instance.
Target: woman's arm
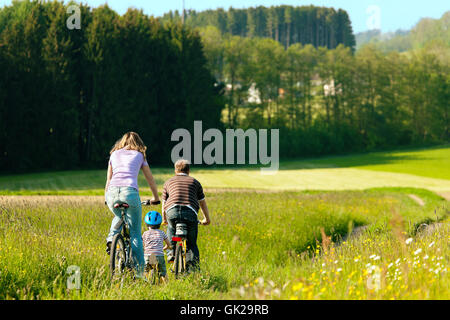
(108, 177)
(151, 182)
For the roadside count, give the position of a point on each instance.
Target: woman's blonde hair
(130, 141)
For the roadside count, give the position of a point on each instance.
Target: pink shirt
(126, 165)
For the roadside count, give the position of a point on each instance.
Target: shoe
(108, 248)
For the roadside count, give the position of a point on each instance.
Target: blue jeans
(134, 218)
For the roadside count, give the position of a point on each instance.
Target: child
(154, 240)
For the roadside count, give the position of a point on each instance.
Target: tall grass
(278, 239)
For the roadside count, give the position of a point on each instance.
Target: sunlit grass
(424, 168)
(272, 236)
(427, 162)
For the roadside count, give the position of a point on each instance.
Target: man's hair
(155, 227)
(182, 166)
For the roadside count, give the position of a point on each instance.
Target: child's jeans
(134, 218)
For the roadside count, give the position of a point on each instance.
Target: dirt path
(49, 200)
(445, 195)
(418, 200)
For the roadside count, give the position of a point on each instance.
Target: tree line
(319, 26)
(67, 95)
(331, 100)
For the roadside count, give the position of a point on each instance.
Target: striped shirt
(182, 190)
(154, 242)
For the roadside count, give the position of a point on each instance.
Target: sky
(387, 15)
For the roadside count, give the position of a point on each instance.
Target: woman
(127, 159)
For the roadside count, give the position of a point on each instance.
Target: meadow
(276, 242)
(419, 168)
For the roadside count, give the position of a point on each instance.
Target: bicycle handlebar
(147, 203)
(150, 202)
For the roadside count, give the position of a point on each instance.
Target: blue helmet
(153, 218)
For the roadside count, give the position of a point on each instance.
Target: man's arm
(206, 221)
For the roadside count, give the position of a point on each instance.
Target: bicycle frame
(124, 234)
(152, 270)
(126, 238)
(181, 241)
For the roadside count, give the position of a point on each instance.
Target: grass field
(272, 237)
(275, 237)
(426, 168)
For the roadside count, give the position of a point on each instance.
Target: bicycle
(121, 253)
(179, 264)
(152, 270)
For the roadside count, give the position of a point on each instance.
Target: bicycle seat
(121, 205)
(181, 229)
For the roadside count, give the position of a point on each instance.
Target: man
(182, 197)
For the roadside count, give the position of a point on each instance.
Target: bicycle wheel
(118, 257)
(155, 275)
(179, 262)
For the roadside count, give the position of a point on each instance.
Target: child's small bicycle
(121, 260)
(152, 270)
